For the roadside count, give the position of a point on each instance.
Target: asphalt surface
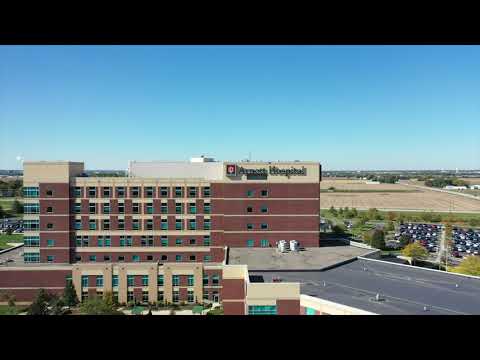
(403, 290)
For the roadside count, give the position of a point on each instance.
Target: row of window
(148, 240)
(262, 310)
(145, 298)
(136, 258)
(34, 241)
(148, 191)
(136, 224)
(149, 209)
(215, 280)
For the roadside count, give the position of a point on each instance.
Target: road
(444, 191)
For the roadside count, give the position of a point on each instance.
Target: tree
(389, 226)
(340, 211)
(333, 211)
(70, 295)
(415, 251)
(469, 266)
(391, 216)
(40, 305)
(401, 218)
(354, 212)
(378, 239)
(474, 222)
(339, 229)
(98, 306)
(2, 212)
(17, 207)
(331, 188)
(404, 240)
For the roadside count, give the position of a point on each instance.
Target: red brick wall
(33, 278)
(275, 207)
(240, 239)
(288, 307)
(239, 190)
(60, 190)
(233, 289)
(275, 223)
(234, 308)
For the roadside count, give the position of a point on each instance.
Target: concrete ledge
(12, 248)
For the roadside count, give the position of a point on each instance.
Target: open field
(417, 200)
(14, 238)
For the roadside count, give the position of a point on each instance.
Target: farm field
(383, 199)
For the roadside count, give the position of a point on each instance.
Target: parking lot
(16, 225)
(427, 235)
(466, 242)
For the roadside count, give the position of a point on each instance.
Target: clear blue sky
(349, 107)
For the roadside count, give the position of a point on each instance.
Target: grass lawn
(7, 203)
(14, 238)
(7, 310)
(369, 191)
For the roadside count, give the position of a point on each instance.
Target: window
(178, 258)
(206, 240)
(178, 224)
(160, 296)
(144, 280)
(100, 241)
(135, 258)
(249, 226)
(163, 208)
(135, 208)
(149, 208)
(78, 241)
(92, 225)
(32, 208)
(250, 243)
(121, 258)
(106, 208)
(115, 297)
(129, 241)
(147, 241)
(77, 208)
(192, 191)
(31, 241)
(178, 191)
(49, 192)
(135, 191)
(192, 208)
(207, 258)
(178, 241)
(215, 280)
(264, 193)
(78, 258)
(264, 209)
(264, 226)
(121, 224)
(120, 192)
(207, 208)
(164, 257)
(205, 295)
(176, 280)
(149, 257)
(178, 208)
(92, 258)
(130, 296)
(50, 242)
(107, 241)
(84, 295)
(249, 209)
(135, 224)
(250, 193)
(31, 192)
(106, 192)
(78, 224)
(121, 208)
(49, 226)
(192, 258)
(190, 297)
(192, 224)
(92, 208)
(50, 258)
(84, 280)
(92, 192)
(130, 280)
(206, 191)
(149, 224)
(205, 280)
(163, 191)
(106, 224)
(160, 280)
(99, 281)
(107, 258)
(77, 191)
(163, 241)
(145, 297)
(122, 241)
(31, 225)
(192, 241)
(176, 297)
(31, 257)
(264, 243)
(149, 192)
(86, 240)
(206, 224)
(164, 224)
(262, 310)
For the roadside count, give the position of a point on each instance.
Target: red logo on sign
(231, 169)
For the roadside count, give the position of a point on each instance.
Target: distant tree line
(11, 188)
(440, 182)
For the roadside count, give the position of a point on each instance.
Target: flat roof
(316, 258)
(405, 290)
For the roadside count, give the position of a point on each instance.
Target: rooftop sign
(235, 170)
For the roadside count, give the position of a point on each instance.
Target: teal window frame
(190, 280)
(250, 243)
(106, 208)
(178, 258)
(160, 280)
(207, 208)
(120, 191)
(92, 208)
(130, 280)
(163, 191)
(92, 225)
(31, 225)
(207, 240)
(206, 191)
(31, 241)
(178, 241)
(77, 208)
(92, 258)
(31, 208)
(106, 193)
(149, 191)
(264, 193)
(192, 191)
(163, 224)
(207, 224)
(84, 281)
(175, 280)
(92, 192)
(264, 209)
(205, 280)
(78, 224)
(264, 243)
(135, 258)
(50, 258)
(31, 257)
(250, 193)
(100, 241)
(178, 208)
(107, 241)
(249, 226)
(135, 208)
(77, 191)
(50, 242)
(135, 224)
(149, 208)
(163, 208)
(129, 241)
(122, 241)
(263, 226)
(192, 224)
(178, 224)
(31, 192)
(215, 280)
(99, 281)
(114, 280)
(192, 208)
(163, 241)
(262, 310)
(190, 296)
(178, 191)
(207, 258)
(121, 224)
(149, 224)
(144, 280)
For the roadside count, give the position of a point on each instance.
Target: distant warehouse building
(452, 187)
(162, 234)
(475, 187)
